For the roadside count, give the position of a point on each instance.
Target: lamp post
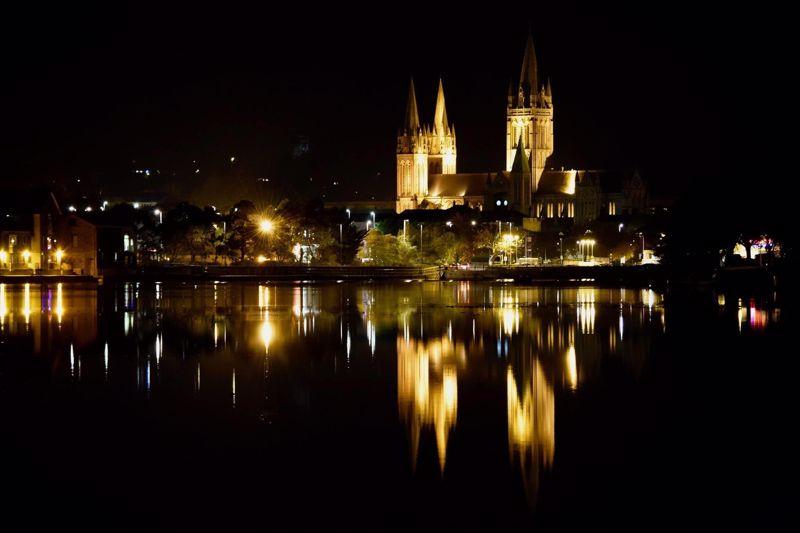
(348, 214)
(641, 234)
(420, 239)
(160, 215)
(341, 245)
(561, 246)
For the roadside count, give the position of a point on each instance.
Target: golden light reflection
(586, 310)
(531, 425)
(59, 302)
(266, 332)
(427, 389)
(26, 303)
(3, 304)
(571, 367)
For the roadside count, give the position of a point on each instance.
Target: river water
(365, 405)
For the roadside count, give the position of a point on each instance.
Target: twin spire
(440, 123)
(412, 115)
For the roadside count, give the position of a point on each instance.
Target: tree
(386, 250)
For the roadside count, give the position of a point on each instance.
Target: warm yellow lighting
(531, 424)
(267, 333)
(427, 389)
(59, 302)
(59, 256)
(3, 256)
(572, 368)
(265, 226)
(26, 303)
(26, 256)
(261, 259)
(3, 303)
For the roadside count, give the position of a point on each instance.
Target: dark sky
(89, 90)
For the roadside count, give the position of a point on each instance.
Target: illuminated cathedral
(427, 176)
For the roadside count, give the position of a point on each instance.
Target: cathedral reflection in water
(258, 353)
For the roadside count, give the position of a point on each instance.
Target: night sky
(95, 92)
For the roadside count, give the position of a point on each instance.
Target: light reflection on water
(261, 351)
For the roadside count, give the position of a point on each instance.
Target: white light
(71, 208)
(136, 205)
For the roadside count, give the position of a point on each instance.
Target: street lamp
(348, 213)
(265, 226)
(641, 234)
(561, 246)
(160, 215)
(374, 221)
(341, 245)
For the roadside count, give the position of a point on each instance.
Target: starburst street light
(265, 226)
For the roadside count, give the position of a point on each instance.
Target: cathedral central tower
(529, 117)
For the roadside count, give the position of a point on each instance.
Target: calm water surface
(447, 405)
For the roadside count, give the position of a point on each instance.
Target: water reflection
(531, 424)
(427, 389)
(230, 352)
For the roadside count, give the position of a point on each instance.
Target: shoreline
(605, 275)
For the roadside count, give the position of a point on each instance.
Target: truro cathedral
(426, 163)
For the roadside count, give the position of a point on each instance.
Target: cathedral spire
(440, 115)
(527, 77)
(412, 116)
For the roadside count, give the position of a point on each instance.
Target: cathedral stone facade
(426, 163)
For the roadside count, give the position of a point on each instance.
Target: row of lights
(26, 256)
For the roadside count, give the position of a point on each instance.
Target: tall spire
(412, 116)
(527, 77)
(521, 163)
(440, 116)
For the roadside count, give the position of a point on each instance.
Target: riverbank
(46, 278)
(630, 275)
(647, 275)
